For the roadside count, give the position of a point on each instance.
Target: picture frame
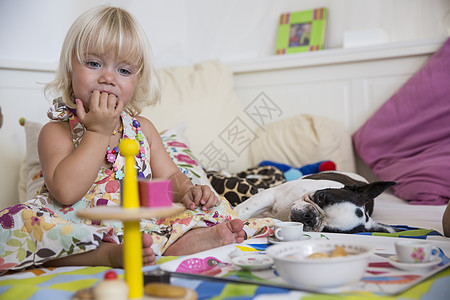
(302, 31)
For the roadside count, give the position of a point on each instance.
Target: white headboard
(346, 85)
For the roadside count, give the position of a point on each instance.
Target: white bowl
(294, 266)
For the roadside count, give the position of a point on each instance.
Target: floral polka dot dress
(42, 229)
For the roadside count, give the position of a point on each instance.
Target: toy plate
(274, 240)
(253, 261)
(413, 266)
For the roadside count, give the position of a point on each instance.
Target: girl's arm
(69, 173)
(164, 168)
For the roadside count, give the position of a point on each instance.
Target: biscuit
(164, 290)
(339, 251)
(319, 255)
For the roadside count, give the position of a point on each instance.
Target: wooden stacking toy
(131, 213)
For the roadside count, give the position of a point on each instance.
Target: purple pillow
(408, 139)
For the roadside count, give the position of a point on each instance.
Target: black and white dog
(326, 201)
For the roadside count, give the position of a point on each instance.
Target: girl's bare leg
(196, 240)
(201, 239)
(107, 254)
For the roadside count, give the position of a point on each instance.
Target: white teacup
(288, 231)
(415, 251)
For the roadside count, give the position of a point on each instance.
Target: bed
(320, 101)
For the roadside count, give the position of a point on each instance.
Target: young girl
(105, 77)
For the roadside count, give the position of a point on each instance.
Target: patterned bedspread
(62, 283)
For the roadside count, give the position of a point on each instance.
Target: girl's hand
(199, 195)
(104, 110)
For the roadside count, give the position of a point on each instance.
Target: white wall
(188, 31)
(181, 32)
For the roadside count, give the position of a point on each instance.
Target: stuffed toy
(291, 173)
(238, 187)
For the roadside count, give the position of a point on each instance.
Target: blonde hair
(98, 31)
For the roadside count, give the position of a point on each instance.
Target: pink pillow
(408, 138)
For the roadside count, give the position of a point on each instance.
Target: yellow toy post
(132, 243)
(131, 213)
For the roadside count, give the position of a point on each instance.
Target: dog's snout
(308, 218)
(311, 223)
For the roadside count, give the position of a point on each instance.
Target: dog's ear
(371, 190)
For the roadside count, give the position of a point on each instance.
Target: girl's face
(104, 73)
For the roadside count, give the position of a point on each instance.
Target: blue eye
(93, 64)
(124, 72)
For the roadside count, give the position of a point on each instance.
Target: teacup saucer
(253, 261)
(274, 240)
(413, 266)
